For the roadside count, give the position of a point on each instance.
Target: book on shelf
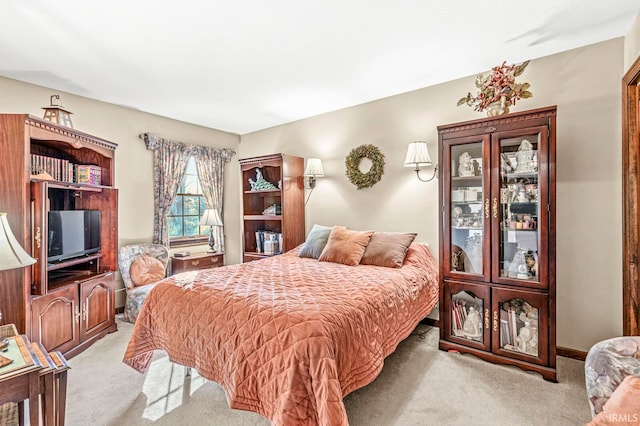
(63, 170)
(88, 173)
(268, 242)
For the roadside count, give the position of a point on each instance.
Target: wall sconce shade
(313, 170)
(12, 255)
(417, 157)
(211, 218)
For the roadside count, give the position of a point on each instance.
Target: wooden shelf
(262, 217)
(72, 185)
(72, 262)
(265, 192)
(288, 226)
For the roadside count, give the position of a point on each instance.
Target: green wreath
(373, 176)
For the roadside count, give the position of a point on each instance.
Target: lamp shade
(417, 155)
(12, 255)
(314, 168)
(211, 217)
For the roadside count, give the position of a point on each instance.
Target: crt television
(72, 233)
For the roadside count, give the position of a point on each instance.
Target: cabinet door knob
(486, 318)
(486, 208)
(495, 207)
(495, 320)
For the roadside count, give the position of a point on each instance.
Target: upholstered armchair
(606, 366)
(141, 266)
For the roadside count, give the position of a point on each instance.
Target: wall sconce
(312, 171)
(56, 112)
(417, 157)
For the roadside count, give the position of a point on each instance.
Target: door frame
(631, 200)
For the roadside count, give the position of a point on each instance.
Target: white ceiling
(246, 65)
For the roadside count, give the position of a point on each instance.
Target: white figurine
(465, 165)
(532, 344)
(260, 183)
(473, 324)
(524, 157)
(524, 337)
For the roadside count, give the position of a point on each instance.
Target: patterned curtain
(169, 164)
(210, 166)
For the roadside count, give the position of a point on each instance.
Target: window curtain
(210, 166)
(169, 163)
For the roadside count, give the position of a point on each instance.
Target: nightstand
(196, 261)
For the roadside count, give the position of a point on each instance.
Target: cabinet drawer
(196, 262)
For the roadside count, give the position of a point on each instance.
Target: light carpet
(419, 385)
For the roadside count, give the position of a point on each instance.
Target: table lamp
(211, 218)
(12, 256)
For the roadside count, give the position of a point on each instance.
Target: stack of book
(88, 173)
(64, 171)
(268, 242)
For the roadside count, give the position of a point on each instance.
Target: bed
(286, 337)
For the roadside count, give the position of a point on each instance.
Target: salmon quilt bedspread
(286, 337)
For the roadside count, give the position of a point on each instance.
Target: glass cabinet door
(466, 208)
(519, 207)
(520, 324)
(467, 314)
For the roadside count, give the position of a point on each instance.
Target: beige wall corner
(632, 44)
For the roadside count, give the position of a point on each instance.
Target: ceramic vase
(498, 108)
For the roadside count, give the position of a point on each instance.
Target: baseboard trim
(571, 353)
(432, 322)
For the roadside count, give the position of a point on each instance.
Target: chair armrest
(607, 364)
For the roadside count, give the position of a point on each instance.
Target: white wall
(133, 163)
(585, 85)
(632, 44)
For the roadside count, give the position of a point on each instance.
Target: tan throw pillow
(146, 269)
(623, 407)
(345, 246)
(387, 249)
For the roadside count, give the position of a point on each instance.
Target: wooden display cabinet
(68, 304)
(286, 199)
(497, 239)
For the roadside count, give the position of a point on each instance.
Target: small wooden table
(46, 386)
(196, 261)
(60, 385)
(20, 380)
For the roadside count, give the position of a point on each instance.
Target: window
(187, 209)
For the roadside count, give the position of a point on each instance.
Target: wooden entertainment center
(68, 304)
